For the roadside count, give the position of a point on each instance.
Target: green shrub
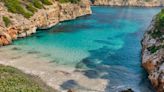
(31, 8)
(37, 3)
(159, 26)
(160, 20)
(46, 2)
(7, 21)
(156, 34)
(154, 48)
(71, 1)
(74, 1)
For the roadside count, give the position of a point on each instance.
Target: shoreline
(53, 75)
(127, 6)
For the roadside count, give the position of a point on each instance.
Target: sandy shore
(59, 77)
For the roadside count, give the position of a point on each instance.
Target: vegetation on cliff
(158, 33)
(28, 7)
(7, 21)
(25, 7)
(13, 80)
(160, 20)
(71, 1)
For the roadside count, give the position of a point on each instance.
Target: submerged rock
(71, 90)
(128, 90)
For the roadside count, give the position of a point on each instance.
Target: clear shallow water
(106, 44)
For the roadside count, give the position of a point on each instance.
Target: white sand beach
(52, 74)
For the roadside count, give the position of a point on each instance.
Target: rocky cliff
(147, 3)
(153, 53)
(46, 17)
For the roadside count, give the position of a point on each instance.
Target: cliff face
(147, 3)
(43, 18)
(153, 55)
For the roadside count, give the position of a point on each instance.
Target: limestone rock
(44, 18)
(147, 3)
(153, 62)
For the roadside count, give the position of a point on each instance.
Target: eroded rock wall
(147, 3)
(153, 56)
(43, 18)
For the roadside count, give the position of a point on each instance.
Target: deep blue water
(106, 44)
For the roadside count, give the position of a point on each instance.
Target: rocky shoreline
(153, 55)
(138, 3)
(49, 16)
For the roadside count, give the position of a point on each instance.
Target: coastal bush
(7, 21)
(13, 80)
(159, 26)
(31, 8)
(160, 20)
(154, 48)
(74, 1)
(37, 3)
(156, 34)
(46, 2)
(71, 1)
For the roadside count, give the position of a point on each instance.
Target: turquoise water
(106, 44)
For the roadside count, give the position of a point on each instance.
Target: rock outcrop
(142, 3)
(153, 55)
(48, 16)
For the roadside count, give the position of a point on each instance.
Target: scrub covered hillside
(13, 80)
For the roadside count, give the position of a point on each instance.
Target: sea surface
(105, 45)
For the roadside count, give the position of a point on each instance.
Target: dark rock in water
(33, 52)
(15, 57)
(128, 90)
(16, 48)
(80, 65)
(91, 74)
(70, 84)
(38, 36)
(70, 90)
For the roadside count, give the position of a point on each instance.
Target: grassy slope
(13, 80)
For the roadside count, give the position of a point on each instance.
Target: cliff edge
(141, 3)
(153, 52)
(21, 18)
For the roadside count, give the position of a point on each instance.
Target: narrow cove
(105, 45)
